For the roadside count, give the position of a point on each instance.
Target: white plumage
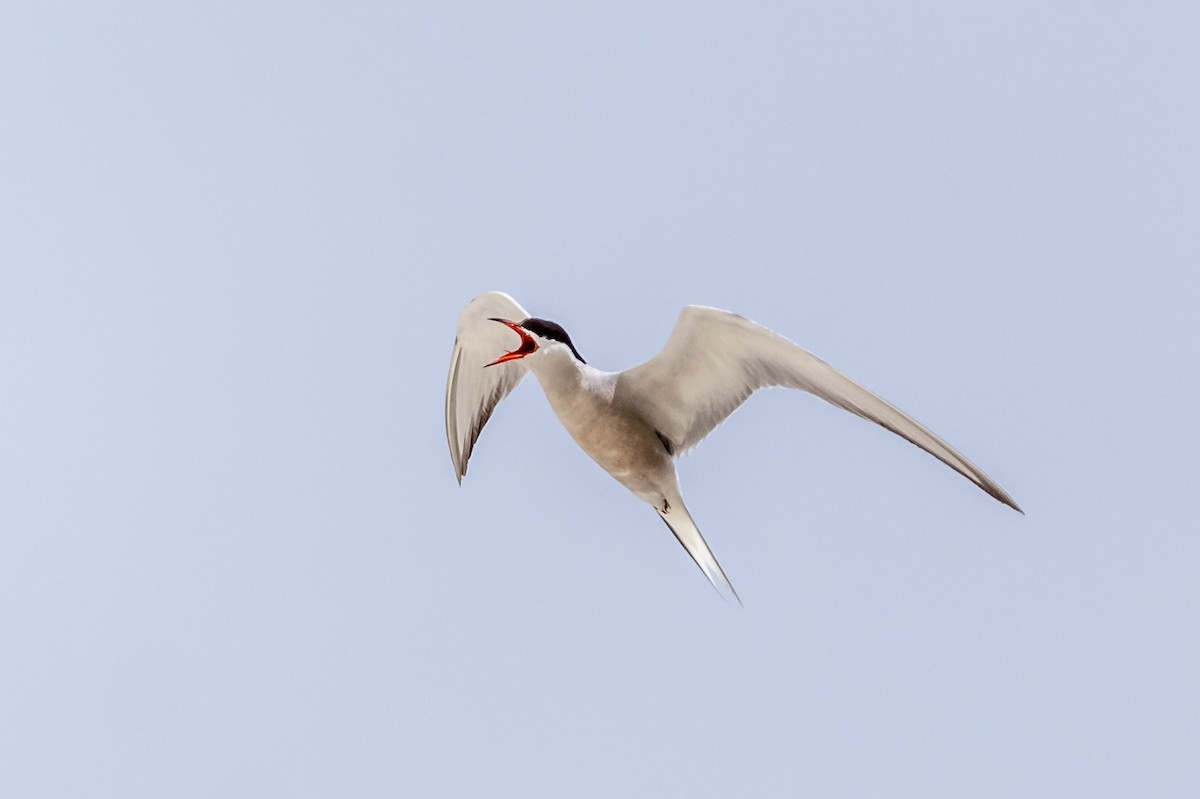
(633, 423)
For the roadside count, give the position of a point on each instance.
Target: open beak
(528, 345)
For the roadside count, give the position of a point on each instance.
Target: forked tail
(681, 524)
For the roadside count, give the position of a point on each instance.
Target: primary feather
(473, 392)
(714, 360)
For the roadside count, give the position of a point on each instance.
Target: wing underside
(714, 360)
(472, 391)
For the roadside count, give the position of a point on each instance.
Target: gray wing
(472, 392)
(715, 359)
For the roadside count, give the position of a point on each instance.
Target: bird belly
(625, 446)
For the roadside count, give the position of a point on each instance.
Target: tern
(635, 423)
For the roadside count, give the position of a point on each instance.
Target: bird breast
(622, 442)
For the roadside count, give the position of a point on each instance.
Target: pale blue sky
(234, 560)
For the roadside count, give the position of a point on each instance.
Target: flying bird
(636, 422)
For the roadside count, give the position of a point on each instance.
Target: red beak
(528, 345)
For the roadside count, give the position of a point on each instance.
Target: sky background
(234, 242)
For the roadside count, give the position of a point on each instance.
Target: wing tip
(997, 493)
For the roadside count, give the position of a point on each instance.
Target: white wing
(715, 359)
(472, 391)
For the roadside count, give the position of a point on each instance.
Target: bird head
(537, 336)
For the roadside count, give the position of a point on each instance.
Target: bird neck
(562, 374)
